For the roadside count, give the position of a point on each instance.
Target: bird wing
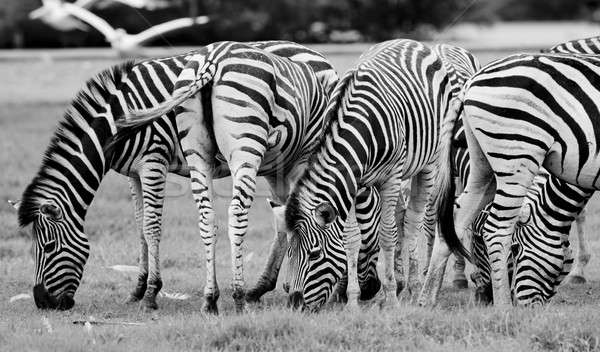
(168, 26)
(87, 4)
(95, 21)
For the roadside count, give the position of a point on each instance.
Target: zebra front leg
(268, 279)
(352, 243)
(368, 216)
(153, 178)
(577, 276)
(140, 287)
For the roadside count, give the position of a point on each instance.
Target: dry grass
(570, 322)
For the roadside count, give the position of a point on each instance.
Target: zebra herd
(520, 135)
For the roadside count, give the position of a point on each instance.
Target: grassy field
(32, 98)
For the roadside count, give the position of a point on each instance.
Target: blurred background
(309, 21)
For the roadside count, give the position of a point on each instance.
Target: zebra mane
(292, 213)
(84, 109)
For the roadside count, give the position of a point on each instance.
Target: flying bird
(67, 16)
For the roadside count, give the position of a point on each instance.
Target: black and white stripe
(249, 112)
(386, 116)
(524, 112)
(83, 147)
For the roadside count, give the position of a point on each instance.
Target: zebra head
(316, 256)
(540, 253)
(59, 249)
(540, 256)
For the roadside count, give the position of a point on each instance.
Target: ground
(33, 97)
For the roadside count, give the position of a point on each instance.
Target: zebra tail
(191, 80)
(445, 187)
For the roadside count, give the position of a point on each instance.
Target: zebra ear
(325, 213)
(15, 204)
(51, 210)
(279, 214)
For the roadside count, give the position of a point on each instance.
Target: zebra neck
(332, 180)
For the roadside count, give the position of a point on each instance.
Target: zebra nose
(65, 301)
(296, 300)
(43, 299)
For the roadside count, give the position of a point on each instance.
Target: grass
(33, 99)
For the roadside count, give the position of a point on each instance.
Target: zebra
(53, 206)
(385, 120)
(521, 113)
(266, 112)
(545, 279)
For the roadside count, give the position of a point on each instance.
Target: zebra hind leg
(140, 288)
(153, 179)
(243, 190)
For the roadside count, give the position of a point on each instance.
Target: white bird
(51, 14)
(140, 4)
(60, 14)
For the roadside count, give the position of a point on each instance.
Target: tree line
(298, 20)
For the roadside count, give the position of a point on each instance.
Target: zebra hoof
(253, 296)
(399, 287)
(576, 280)
(148, 304)
(484, 295)
(460, 284)
(210, 307)
(370, 288)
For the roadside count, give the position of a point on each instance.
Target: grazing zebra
(544, 280)
(385, 120)
(521, 113)
(263, 116)
(55, 203)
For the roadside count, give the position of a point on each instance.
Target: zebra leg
(478, 193)
(419, 218)
(202, 191)
(352, 244)
(399, 252)
(390, 194)
(244, 187)
(368, 216)
(268, 279)
(577, 276)
(460, 279)
(153, 179)
(136, 194)
(199, 150)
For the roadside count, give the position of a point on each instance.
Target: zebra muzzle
(296, 300)
(44, 300)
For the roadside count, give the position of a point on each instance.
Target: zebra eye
(315, 253)
(50, 246)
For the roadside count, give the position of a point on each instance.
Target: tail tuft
(445, 187)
